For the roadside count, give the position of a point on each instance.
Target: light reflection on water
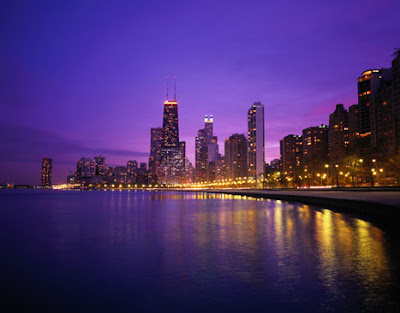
(227, 251)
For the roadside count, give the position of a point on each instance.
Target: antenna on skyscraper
(167, 86)
(175, 88)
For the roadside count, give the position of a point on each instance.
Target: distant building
(220, 168)
(155, 169)
(85, 168)
(256, 135)
(396, 96)
(338, 134)
(47, 172)
(236, 156)
(100, 166)
(132, 168)
(206, 148)
(315, 145)
(382, 114)
(368, 84)
(291, 148)
(354, 128)
(120, 174)
(275, 164)
(189, 169)
(173, 151)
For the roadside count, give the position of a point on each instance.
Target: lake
(165, 251)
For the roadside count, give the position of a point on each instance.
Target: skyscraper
(368, 84)
(155, 169)
(206, 151)
(382, 114)
(338, 134)
(47, 172)
(85, 168)
(354, 128)
(291, 154)
(172, 156)
(315, 145)
(256, 136)
(396, 96)
(236, 156)
(101, 166)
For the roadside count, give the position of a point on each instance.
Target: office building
(206, 148)
(315, 145)
(100, 166)
(291, 148)
(354, 129)
(47, 172)
(338, 134)
(256, 135)
(236, 156)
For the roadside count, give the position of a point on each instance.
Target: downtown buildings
(360, 140)
(244, 157)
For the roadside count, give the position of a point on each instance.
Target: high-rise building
(368, 84)
(100, 166)
(382, 115)
(291, 148)
(132, 168)
(256, 137)
(206, 151)
(47, 172)
(189, 171)
(396, 96)
(172, 156)
(236, 156)
(155, 169)
(354, 128)
(85, 168)
(220, 169)
(120, 174)
(338, 134)
(315, 145)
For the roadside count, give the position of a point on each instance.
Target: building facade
(256, 135)
(236, 157)
(47, 172)
(315, 145)
(291, 148)
(173, 151)
(338, 134)
(206, 151)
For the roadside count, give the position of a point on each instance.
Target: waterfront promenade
(374, 202)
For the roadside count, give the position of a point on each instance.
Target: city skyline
(63, 104)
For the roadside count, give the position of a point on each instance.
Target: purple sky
(84, 78)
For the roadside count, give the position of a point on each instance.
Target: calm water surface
(141, 251)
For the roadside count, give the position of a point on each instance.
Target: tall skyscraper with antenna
(172, 150)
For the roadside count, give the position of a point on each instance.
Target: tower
(236, 156)
(338, 134)
(47, 172)
(256, 135)
(172, 156)
(206, 151)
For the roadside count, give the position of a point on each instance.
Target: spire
(174, 88)
(167, 86)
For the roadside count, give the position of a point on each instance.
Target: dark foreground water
(140, 251)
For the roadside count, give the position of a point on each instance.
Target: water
(141, 251)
